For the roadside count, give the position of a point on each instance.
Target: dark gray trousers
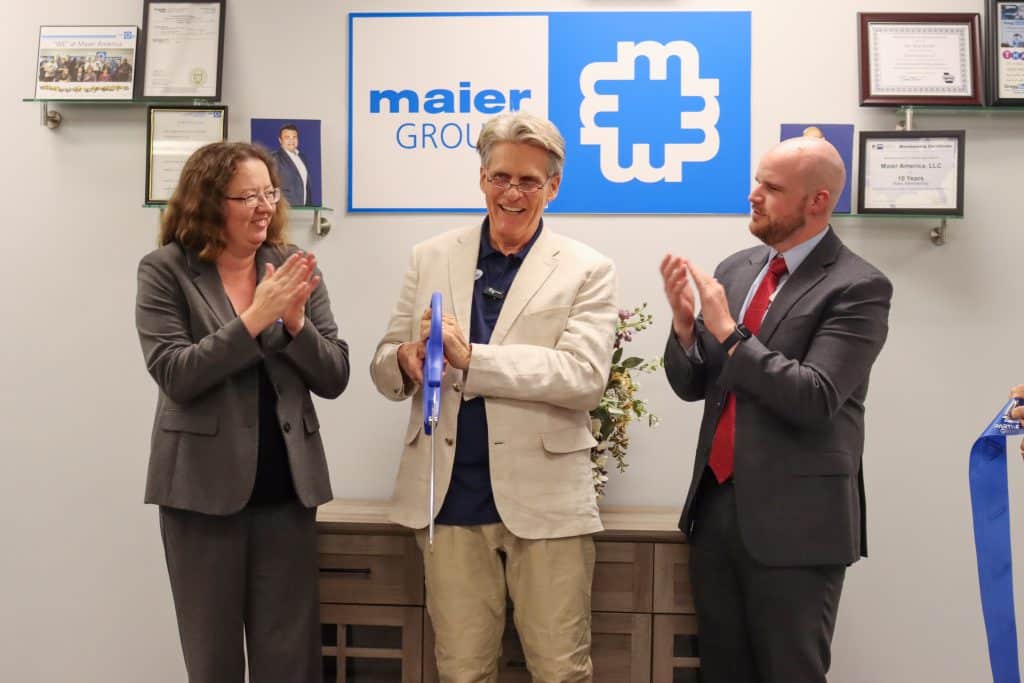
(254, 572)
(757, 624)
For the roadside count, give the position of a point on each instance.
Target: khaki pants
(548, 581)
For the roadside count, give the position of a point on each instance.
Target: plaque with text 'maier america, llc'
(911, 172)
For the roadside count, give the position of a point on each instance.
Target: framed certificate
(86, 62)
(183, 49)
(1005, 31)
(919, 172)
(173, 134)
(920, 59)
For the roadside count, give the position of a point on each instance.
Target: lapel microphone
(494, 294)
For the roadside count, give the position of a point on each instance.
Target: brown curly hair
(194, 217)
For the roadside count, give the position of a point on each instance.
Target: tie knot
(777, 267)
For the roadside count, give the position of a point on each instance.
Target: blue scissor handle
(433, 364)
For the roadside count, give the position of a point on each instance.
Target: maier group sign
(654, 107)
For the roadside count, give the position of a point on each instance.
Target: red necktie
(724, 443)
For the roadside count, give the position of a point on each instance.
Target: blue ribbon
(990, 507)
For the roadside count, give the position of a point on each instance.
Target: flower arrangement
(620, 404)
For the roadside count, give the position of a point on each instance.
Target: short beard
(777, 231)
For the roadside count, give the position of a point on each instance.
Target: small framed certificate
(1005, 32)
(86, 62)
(183, 49)
(917, 58)
(918, 172)
(173, 134)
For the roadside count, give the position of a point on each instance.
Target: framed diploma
(920, 59)
(183, 49)
(173, 134)
(86, 62)
(1005, 31)
(918, 172)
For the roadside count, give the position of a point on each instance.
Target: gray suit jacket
(204, 443)
(800, 386)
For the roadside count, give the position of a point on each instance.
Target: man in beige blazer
(529, 320)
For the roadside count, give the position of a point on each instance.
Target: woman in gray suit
(236, 329)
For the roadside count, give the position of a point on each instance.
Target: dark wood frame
(992, 54)
(142, 54)
(972, 21)
(867, 136)
(149, 137)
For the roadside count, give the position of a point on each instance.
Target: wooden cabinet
(375, 627)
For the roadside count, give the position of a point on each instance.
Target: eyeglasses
(272, 196)
(528, 186)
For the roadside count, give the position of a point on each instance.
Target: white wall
(84, 589)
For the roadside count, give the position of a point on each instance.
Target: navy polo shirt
(470, 499)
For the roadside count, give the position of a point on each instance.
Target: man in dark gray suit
(781, 355)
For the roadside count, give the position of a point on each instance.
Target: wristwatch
(739, 333)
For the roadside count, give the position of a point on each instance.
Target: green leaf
(617, 355)
(632, 362)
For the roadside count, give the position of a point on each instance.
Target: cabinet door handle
(352, 571)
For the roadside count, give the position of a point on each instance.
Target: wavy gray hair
(525, 128)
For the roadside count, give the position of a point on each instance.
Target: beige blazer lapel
(461, 268)
(536, 269)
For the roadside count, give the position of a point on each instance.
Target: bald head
(815, 163)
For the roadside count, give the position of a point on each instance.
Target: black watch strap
(739, 333)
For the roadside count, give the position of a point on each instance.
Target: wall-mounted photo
(295, 146)
(86, 62)
(841, 137)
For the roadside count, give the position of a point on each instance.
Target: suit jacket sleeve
(384, 370)
(183, 368)
(571, 375)
(847, 340)
(686, 376)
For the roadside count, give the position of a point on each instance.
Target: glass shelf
(937, 233)
(321, 226)
(314, 209)
(322, 209)
(136, 100)
(960, 108)
(894, 216)
(52, 118)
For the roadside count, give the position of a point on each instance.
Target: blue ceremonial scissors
(433, 366)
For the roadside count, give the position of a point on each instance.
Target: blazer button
(287, 427)
(457, 387)
(448, 440)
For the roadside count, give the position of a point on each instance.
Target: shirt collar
(795, 256)
(487, 249)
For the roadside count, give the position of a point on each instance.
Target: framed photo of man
(1005, 55)
(840, 135)
(173, 134)
(183, 49)
(911, 172)
(294, 145)
(86, 62)
(920, 58)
